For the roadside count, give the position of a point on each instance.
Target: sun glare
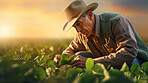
(4, 32)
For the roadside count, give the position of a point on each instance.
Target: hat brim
(91, 7)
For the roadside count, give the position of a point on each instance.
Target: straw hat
(75, 10)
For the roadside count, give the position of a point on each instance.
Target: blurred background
(31, 35)
(35, 19)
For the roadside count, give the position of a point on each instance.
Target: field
(31, 61)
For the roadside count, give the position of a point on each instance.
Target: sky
(45, 18)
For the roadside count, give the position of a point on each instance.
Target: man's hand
(79, 61)
(57, 59)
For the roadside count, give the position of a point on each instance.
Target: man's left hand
(79, 61)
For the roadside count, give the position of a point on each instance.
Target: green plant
(33, 63)
(65, 60)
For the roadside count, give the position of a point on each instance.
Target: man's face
(84, 25)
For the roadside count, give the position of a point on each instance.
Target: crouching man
(108, 38)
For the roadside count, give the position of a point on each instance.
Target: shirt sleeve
(126, 42)
(75, 46)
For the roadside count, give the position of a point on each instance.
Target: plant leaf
(71, 58)
(87, 78)
(117, 76)
(64, 57)
(98, 69)
(71, 74)
(64, 60)
(89, 64)
(135, 68)
(124, 68)
(27, 56)
(144, 67)
(101, 70)
(40, 73)
(51, 64)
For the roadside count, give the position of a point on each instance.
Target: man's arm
(126, 42)
(75, 46)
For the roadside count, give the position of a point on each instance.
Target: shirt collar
(97, 25)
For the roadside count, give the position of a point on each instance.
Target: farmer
(108, 38)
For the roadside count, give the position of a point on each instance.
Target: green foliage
(144, 66)
(71, 58)
(65, 60)
(40, 73)
(71, 74)
(50, 64)
(124, 68)
(89, 64)
(27, 56)
(33, 63)
(101, 72)
(135, 69)
(117, 76)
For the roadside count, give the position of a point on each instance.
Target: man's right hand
(57, 58)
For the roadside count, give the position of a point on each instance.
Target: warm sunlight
(5, 32)
(44, 18)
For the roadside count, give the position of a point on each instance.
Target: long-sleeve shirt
(105, 49)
